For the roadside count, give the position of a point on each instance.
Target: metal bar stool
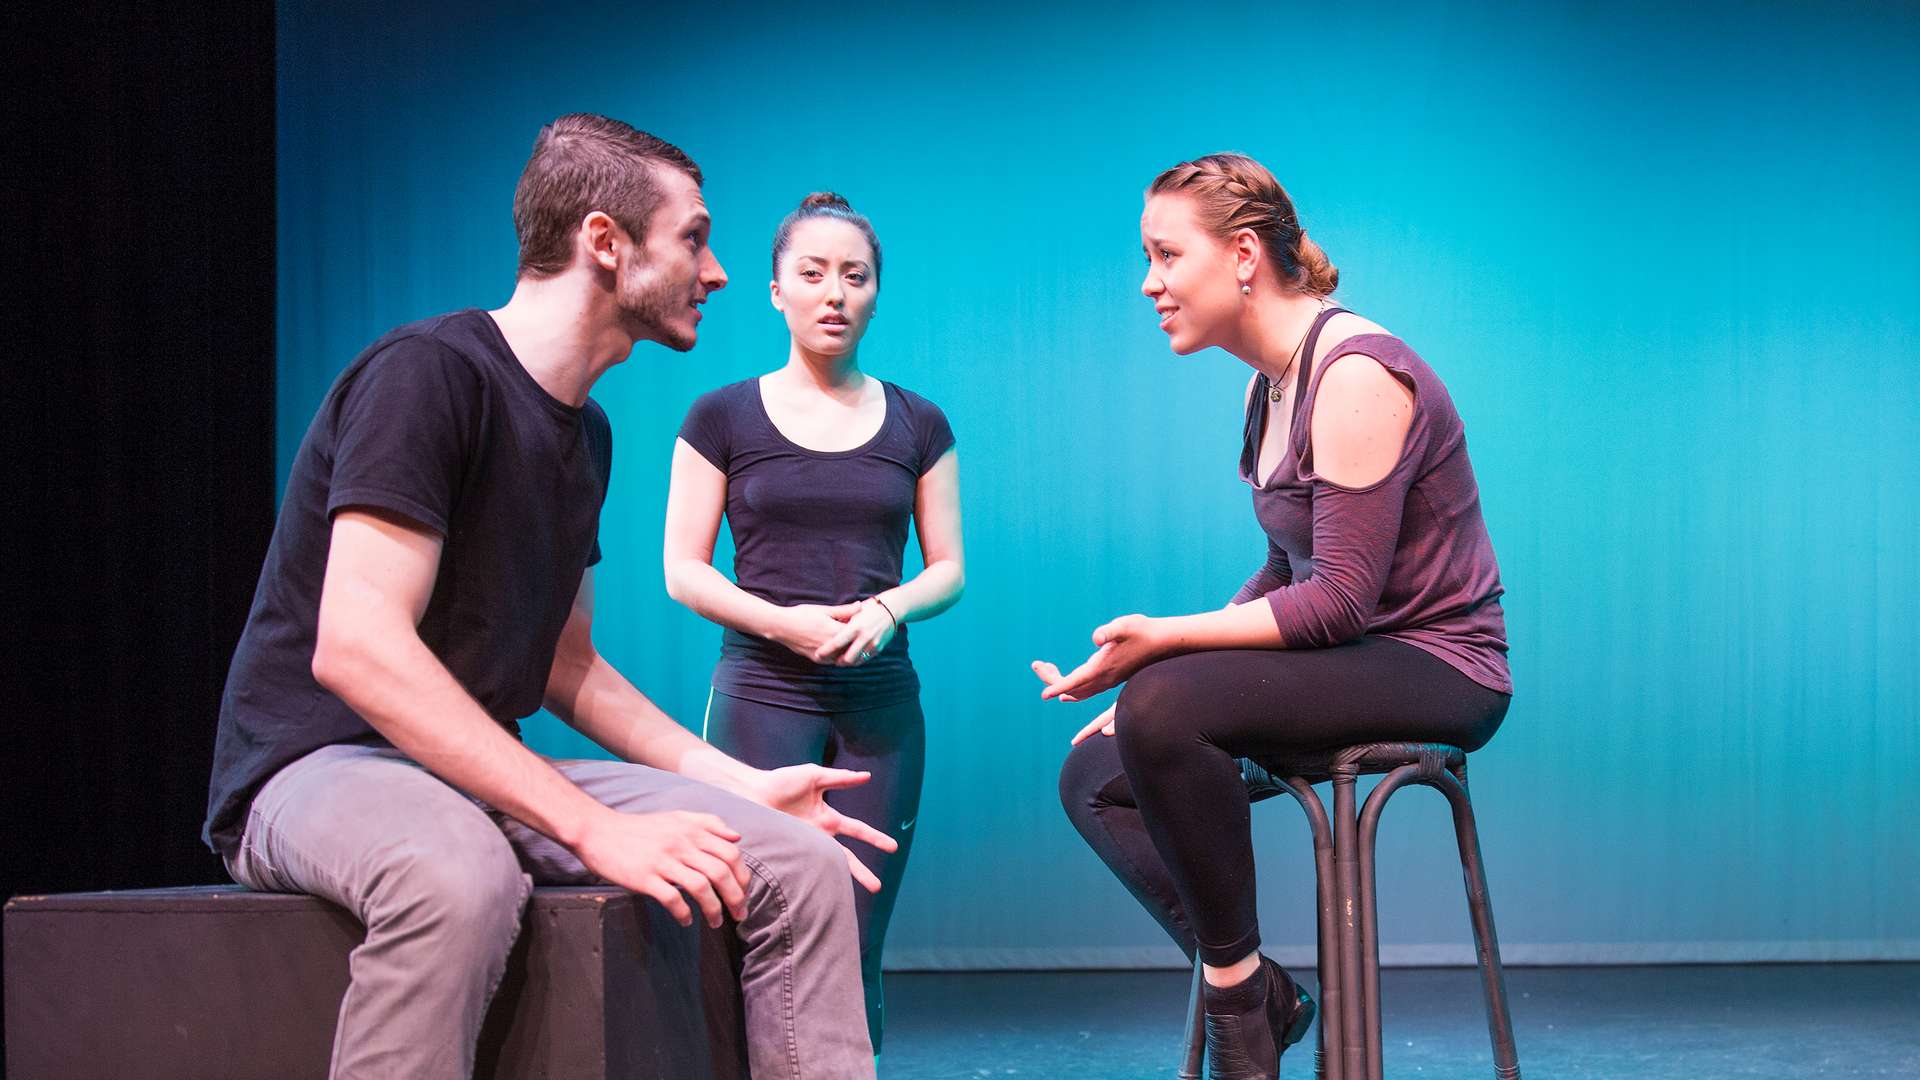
(1343, 863)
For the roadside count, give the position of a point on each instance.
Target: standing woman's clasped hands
(869, 626)
(807, 629)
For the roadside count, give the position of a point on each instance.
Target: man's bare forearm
(387, 674)
(599, 702)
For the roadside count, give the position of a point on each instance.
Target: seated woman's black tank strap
(1303, 367)
(1255, 428)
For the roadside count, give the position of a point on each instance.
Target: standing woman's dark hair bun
(827, 204)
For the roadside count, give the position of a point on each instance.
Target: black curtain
(139, 385)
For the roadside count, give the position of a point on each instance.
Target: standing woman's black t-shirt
(815, 527)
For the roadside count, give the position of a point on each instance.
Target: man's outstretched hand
(800, 790)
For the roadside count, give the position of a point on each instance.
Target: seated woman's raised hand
(1121, 648)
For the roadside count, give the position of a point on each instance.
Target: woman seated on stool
(1376, 617)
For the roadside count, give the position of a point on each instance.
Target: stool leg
(1352, 1051)
(1327, 966)
(1326, 1064)
(1370, 934)
(1196, 1048)
(1506, 1057)
(1370, 909)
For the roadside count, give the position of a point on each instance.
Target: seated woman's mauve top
(1406, 558)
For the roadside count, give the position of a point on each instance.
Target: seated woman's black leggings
(1163, 802)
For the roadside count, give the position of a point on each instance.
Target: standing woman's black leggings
(891, 743)
(1163, 802)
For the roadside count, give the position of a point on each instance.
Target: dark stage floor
(1636, 1023)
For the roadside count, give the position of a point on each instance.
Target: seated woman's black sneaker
(1250, 1024)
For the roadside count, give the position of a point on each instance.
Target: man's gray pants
(440, 882)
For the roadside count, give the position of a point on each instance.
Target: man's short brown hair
(582, 163)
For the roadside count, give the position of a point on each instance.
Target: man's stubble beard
(645, 310)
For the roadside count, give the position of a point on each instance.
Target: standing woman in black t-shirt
(818, 469)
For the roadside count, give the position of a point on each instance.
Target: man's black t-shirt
(437, 422)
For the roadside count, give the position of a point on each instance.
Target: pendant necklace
(1277, 388)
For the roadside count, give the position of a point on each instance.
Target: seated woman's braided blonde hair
(1233, 192)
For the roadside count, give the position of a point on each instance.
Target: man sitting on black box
(428, 585)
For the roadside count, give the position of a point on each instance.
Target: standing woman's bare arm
(696, 501)
(936, 517)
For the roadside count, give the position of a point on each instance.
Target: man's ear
(597, 237)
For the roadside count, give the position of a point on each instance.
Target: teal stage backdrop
(1667, 260)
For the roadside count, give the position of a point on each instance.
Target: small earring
(1246, 289)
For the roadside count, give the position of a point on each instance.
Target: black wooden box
(218, 982)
